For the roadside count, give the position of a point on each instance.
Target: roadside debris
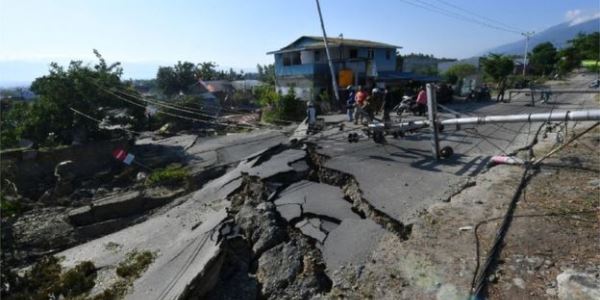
(508, 160)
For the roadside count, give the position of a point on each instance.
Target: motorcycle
(482, 93)
(404, 105)
(408, 104)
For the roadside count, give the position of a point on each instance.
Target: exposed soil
(557, 228)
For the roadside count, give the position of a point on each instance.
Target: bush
(9, 207)
(591, 65)
(12, 123)
(170, 176)
(277, 108)
(135, 263)
(46, 280)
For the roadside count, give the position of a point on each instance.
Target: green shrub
(45, 280)
(278, 108)
(9, 207)
(173, 175)
(591, 65)
(135, 263)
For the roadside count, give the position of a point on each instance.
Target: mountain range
(558, 35)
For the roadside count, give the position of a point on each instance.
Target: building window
(286, 60)
(370, 53)
(290, 59)
(353, 53)
(388, 54)
(296, 58)
(317, 56)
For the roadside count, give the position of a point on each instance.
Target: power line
(190, 110)
(122, 98)
(428, 6)
(469, 18)
(478, 15)
(100, 122)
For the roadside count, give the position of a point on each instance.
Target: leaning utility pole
(333, 79)
(527, 35)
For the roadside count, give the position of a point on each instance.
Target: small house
(303, 66)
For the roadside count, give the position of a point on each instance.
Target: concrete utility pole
(432, 109)
(554, 116)
(527, 35)
(333, 79)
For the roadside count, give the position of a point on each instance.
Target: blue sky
(237, 33)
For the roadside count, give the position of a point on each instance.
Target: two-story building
(303, 64)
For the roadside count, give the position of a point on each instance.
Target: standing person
(375, 100)
(359, 102)
(388, 105)
(350, 103)
(501, 87)
(420, 106)
(311, 113)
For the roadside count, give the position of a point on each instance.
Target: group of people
(361, 105)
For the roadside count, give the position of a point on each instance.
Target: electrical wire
(428, 6)
(508, 26)
(195, 111)
(100, 122)
(122, 98)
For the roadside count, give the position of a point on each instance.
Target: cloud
(576, 16)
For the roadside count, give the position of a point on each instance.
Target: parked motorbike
(404, 105)
(408, 104)
(482, 93)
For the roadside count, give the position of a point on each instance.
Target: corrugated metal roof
(332, 42)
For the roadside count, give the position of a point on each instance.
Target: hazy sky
(236, 33)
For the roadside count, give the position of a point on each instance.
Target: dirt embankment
(554, 230)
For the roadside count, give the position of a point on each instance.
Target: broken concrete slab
(111, 207)
(315, 199)
(116, 206)
(290, 211)
(312, 228)
(351, 242)
(81, 216)
(278, 164)
(122, 205)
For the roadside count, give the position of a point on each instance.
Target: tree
(179, 78)
(11, 124)
(207, 71)
(266, 73)
(587, 46)
(459, 71)
(582, 47)
(543, 58)
(497, 66)
(90, 90)
(166, 81)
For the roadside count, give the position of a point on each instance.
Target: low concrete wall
(33, 170)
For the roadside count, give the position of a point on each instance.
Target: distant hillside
(558, 35)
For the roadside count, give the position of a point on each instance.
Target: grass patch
(135, 264)
(46, 279)
(9, 208)
(173, 175)
(130, 269)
